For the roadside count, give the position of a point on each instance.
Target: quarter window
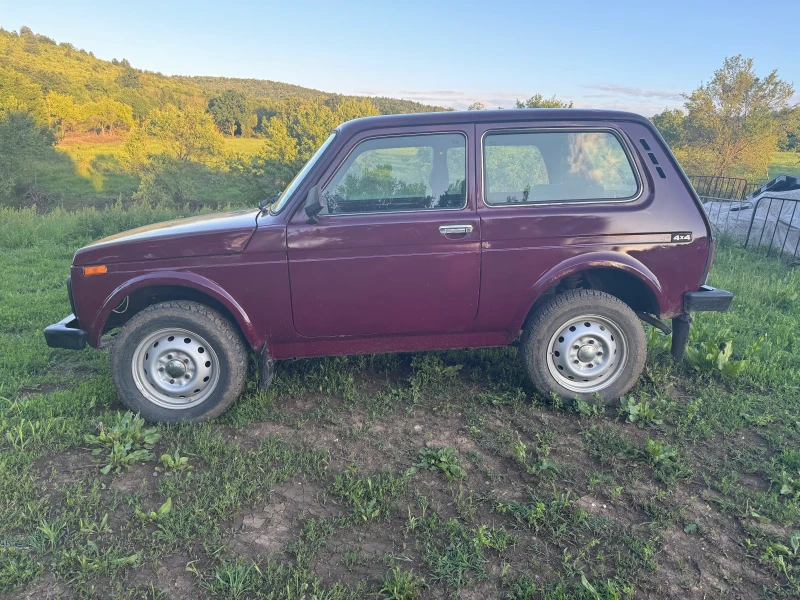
(537, 167)
(400, 173)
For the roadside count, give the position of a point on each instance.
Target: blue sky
(630, 55)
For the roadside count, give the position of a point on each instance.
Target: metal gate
(765, 224)
(717, 186)
(782, 237)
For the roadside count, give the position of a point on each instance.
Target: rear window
(526, 167)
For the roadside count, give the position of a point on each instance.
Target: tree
(479, 106)
(280, 145)
(140, 101)
(23, 142)
(539, 101)
(188, 134)
(347, 108)
(248, 124)
(671, 125)
(294, 132)
(128, 78)
(64, 113)
(731, 126)
(277, 162)
(228, 111)
(789, 136)
(310, 126)
(19, 94)
(31, 43)
(106, 114)
(190, 140)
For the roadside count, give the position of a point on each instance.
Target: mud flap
(680, 335)
(266, 368)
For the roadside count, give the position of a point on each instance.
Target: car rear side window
(400, 173)
(528, 167)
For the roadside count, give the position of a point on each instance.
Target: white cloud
(613, 89)
(606, 96)
(457, 99)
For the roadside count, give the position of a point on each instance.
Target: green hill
(264, 89)
(43, 66)
(67, 118)
(64, 69)
(251, 88)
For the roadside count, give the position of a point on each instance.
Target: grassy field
(784, 162)
(400, 476)
(86, 171)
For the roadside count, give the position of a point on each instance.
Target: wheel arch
(618, 274)
(146, 290)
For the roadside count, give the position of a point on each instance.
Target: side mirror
(313, 205)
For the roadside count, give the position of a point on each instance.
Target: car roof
(487, 116)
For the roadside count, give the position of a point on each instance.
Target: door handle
(455, 229)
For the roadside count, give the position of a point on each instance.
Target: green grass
(399, 476)
(784, 162)
(86, 171)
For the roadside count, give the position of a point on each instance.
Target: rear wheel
(178, 361)
(582, 343)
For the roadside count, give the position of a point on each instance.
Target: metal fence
(780, 237)
(765, 224)
(717, 186)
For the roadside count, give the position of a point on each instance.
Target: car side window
(400, 173)
(522, 167)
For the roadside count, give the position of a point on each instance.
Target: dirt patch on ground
(353, 555)
(264, 530)
(47, 588)
(611, 510)
(175, 580)
(44, 388)
(710, 567)
(59, 470)
(700, 556)
(138, 477)
(250, 437)
(167, 579)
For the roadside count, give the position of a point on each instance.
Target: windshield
(283, 199)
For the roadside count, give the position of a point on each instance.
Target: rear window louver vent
(652, 157)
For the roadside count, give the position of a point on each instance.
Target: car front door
(396, 249)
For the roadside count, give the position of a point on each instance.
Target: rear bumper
(706, 299)
(66, 334)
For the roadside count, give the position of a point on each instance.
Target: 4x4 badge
(682, 237)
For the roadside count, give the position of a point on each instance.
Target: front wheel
(582, 343)
(178, 361)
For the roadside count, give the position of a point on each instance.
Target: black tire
(229, 368)
(545, 365)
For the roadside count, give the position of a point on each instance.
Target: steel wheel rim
(587, 354)
(175, 368)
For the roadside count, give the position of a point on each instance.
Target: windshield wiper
(266, 202)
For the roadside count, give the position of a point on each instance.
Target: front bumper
(707, 298)
(66, 334)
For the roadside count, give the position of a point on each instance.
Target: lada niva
(411, 233)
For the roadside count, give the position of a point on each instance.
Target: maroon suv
(406, 233)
